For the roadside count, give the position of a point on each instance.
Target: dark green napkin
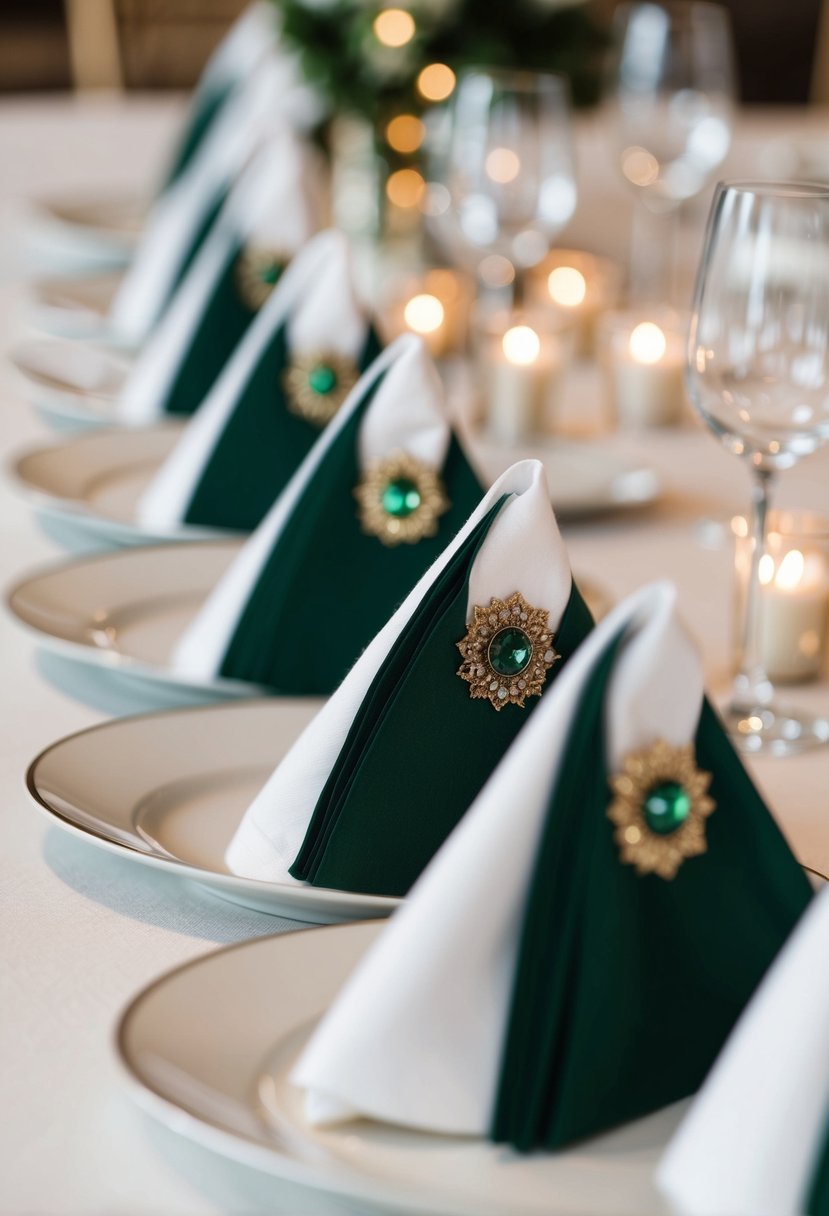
(626, 986)
(262, 445)
(226, 316)
(327, 587)
(205, 108)
(419, 748)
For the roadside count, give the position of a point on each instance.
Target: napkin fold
(251, 36)
(390, 764)
(755, 1141)
(182, 216)
(252, 432)
(547, 979)
(312, 586)
(271, 212)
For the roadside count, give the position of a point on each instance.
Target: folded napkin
(388, 767)
(270, 213)
(182, 216)
(325, 569)
(289, 374)
(247, 42)
(579, 949)
(756, 1139)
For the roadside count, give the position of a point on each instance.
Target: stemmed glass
(508, 165)
(758, 373)
(673, 98)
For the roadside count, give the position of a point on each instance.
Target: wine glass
(508, 166)
(758, 373)
(672, 111)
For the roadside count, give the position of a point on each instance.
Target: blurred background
(782, 47)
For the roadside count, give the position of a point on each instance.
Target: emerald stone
(510, 651)
(401, 497)
(322, 379)
(270, 272)
(666, 808)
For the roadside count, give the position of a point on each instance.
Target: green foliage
(341, 54)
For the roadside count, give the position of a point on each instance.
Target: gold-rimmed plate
(168, 790)
(96, 481)
(227, 1087)
(71, 383)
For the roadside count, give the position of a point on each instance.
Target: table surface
(83, 930)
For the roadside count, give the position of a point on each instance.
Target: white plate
(76, 307)
(71, 382)
(97, 480)
(123, 612)
(222, 1081)
(169, 790)
(83, 232)
(585, 478)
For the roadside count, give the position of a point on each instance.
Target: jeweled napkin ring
(257, 272)
(400, 500)
(660, 808)
(317, 384)
(507, 651)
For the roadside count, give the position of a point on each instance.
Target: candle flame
(521, 345)
(647, 343)
(424, 314)
(503, 165)
(567, 286)
(790, 571)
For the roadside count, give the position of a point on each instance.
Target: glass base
(775, 730)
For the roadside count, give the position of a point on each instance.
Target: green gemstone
(510, 651)
(322, 379)
(270, 272)
(401, 497)
(666, 808)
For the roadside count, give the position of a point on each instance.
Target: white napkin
(276, 203)
(317, 300)
(269, 96)
(750, 1141)
(407, 412)
(251, 36)
(414, 1037)
(523, 549)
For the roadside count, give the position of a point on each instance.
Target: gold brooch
(316, 385)
(660, 808)
(400, 500)
(257, 272)
(507, 651)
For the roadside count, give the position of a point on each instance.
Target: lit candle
(794, 597)
(644, 362)
(581, 287)
(436, 306)
(519, 380)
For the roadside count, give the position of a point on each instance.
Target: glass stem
(752, 687)
(653, 255)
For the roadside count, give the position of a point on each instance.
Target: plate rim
(339, 1179)
(182, 869)
(113, 660)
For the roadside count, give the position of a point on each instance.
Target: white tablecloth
(82, 930)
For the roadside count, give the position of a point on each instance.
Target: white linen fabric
(407, 413)
(276, 203)
(415, 1036)
(253, 34)
(317, 301)
(523, 549)
(749, 1143)
(270, 95)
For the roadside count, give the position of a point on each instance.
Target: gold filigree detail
(479, 646)
(651, 852)
(374, 497)
(313, 403)
(257, 272)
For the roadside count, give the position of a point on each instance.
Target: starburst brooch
(317, 384)
(660, 807)
(257, 272)
(400, 500)
(507, 651)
